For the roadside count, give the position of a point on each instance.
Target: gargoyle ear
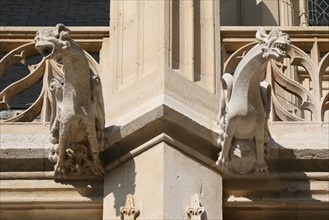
(261, 34)
(61, 27)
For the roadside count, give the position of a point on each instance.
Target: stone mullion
(286, 13)
(187, 39)
(317, 84)
(209, 32)
(303, 16)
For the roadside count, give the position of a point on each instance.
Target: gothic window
(318, 12)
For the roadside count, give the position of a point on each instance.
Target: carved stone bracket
(129, 211)
(195, 211)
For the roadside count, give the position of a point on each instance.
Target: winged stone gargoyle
(245, 105)
(77, 117)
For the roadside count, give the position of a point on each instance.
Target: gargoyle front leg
(63, 143)
(95, 148)
(261, 166)
(223, 158)
(54, 132)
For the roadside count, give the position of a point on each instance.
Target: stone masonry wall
(49, 13)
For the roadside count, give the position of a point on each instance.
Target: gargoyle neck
(76, 71)
(247, 78)
(248, 72)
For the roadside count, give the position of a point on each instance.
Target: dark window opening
(318, 12)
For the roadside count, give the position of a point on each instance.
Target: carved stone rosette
(195, 211)
(129, 211)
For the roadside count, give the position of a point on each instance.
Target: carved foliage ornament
(245, 106)
(195, 211)
(129, 211)
(77, 110)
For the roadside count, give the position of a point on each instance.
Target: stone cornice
(294, 32)
(89, 38)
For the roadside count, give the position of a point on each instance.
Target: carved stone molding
(195, 211)
(129, 211)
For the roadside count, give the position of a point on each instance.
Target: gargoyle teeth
(281, 48)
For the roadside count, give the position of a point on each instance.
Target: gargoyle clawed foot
(222, 161)
(261, 169)
(98, 166)
(99, 171)
(58, 168)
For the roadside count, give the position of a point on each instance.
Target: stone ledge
(45, 199)
(277, 196)
(289, 153)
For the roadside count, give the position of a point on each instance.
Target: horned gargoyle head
(51, 43)
(275, 44)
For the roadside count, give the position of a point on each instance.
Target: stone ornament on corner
(129, 211)
(245, 105)
(195, 211)
(77, 109)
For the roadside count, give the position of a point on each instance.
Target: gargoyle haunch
(245, 106)
(77, 117)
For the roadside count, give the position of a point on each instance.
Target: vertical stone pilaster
(152, 45)
(137, 50)
(303, 16)
(163, 61)
(286, 13)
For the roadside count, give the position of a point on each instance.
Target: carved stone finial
(129, 212)
(195, 211)
(77, 110)
(245, 106)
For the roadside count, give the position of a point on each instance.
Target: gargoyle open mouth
(281, 48)
(47, 51)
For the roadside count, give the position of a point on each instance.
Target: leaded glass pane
(318, 12)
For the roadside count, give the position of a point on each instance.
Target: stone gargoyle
(77, 117)
(245, 106)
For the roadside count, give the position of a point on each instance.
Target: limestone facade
(161, 65)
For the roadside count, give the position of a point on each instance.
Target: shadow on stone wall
(288, 192)
(120, 181)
